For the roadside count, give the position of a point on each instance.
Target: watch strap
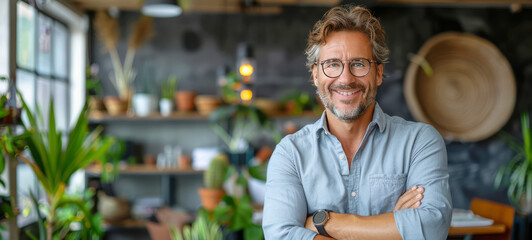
(321, 230)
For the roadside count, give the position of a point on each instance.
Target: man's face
(347, 96)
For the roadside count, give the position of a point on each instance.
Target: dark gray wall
(193, 46)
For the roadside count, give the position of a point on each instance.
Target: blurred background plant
(244, 123)
(74, 218)
(54, 161)
(108, 31)
(93, 83)
(203, 228)
(169, 87)
(295, 102)
(11, 143)
(517, 174)
(229, 87)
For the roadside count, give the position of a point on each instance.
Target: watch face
(319, 217)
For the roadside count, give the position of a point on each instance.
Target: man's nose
(346, 75)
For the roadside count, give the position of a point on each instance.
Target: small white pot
(166, 106)
(144, 104)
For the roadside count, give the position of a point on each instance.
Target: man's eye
(358, 64)
(332, 65)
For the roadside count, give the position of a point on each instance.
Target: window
(42, 73)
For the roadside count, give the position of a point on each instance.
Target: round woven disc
(471, 93)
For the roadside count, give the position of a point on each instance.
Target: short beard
(349, 115)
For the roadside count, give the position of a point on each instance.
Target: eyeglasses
(359, 67)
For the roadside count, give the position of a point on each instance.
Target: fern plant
(517, 174)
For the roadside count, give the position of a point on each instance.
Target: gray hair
(347, 17)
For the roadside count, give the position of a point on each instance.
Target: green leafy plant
(74, 217)
(53, 161)
(245, 122)
(203, 228)
(168, 87)
(229, 88)
(92, 83)
(236, 214)
(10, 145)
(296, 102)
(111, 159)
(517, 174)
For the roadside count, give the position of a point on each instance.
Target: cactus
(215, 174)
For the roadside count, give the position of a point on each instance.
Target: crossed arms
(350, 226)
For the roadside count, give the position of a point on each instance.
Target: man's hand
(310, 225)
(410, 199)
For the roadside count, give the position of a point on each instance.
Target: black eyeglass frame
(345, 61)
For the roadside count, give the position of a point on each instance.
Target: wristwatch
(319, 218)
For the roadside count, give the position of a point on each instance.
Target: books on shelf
(466, 218)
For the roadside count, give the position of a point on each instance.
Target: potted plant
(245, 122)
(123, 74)
(235, 214)
(10, 145)
(144, 100)
(93, 85)
(213, 179)
(54, 160)
(203, 228)
(517, 174)
(168, 88)
(295, 103)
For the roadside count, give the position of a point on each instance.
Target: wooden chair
(500, 213)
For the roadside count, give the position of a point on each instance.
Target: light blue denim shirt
(308, 171)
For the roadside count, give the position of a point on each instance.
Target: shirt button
(341, 156)
(353, 194)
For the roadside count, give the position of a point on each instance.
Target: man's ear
(380, 70)
(315, 74)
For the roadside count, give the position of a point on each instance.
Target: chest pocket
(385, 190)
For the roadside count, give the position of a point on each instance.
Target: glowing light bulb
(246, 70)
(246, 95)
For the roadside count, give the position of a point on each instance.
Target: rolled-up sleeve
(285, 205)
(428, 168)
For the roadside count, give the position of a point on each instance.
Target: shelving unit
(185, 129)
(168, 176)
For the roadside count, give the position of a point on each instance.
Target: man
(356, 173)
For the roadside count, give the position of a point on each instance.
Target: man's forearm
(350, 226)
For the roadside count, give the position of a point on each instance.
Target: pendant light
(161, 8)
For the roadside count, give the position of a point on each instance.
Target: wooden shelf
(103, 118)
(145, 170)
(180, 116)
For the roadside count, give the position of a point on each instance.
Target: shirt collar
(378, 118)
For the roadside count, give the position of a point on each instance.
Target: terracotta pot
(185, 100)
(113, 209)
(116, 106)
(206, 104)
(96, 103)
(185, 162)
(150, 160)
(210, 198)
